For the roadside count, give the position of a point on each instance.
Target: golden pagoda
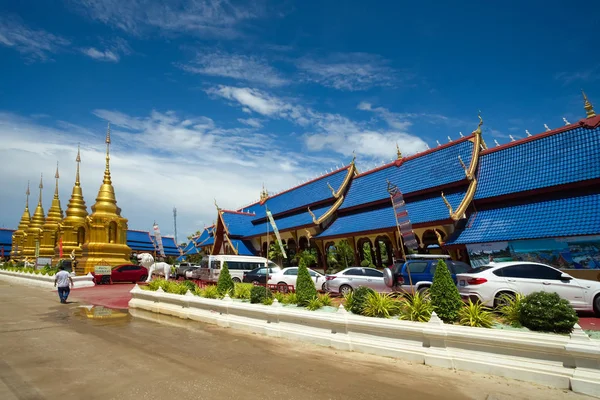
(106, 236)
(72, 229)
(49, 238)
(18, 237)
(34, 230)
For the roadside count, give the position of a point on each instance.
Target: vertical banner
(402, 219)
(158, 239)
(276, 231)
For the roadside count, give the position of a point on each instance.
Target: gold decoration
(34, 229)
(398, 152)
(447, 203)
(463, 165)
(18, 237)
(439, 238)
(264, 194)
(313, 216)
(216, 205)
(48, 238)
(589, 109)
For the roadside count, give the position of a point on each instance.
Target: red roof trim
(589, 123)
(296, 187)
(398, 163)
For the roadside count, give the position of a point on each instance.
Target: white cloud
(352, 71)
(36, 45)
(331, 132)
(105, 55)
(253, 122)
(158, 161)
(236, 66)
(584, 75)
(217, 18)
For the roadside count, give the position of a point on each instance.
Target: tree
(344, 253)
(366, 248)
(445, 298)
(383, 252)
(225, 283)
(308, 257)
(198, 233)
(275, 252)
(305, 288)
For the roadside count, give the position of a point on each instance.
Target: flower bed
(40, 279)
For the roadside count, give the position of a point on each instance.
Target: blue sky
(209, 99)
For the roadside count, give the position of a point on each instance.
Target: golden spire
(264, 195)
(55, 213)
(38, 216)
(398, 152)
(589, 109)
(76, 209)
(106, 202)
(26, 217)
(78, 160)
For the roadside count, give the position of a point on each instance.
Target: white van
(210, 267)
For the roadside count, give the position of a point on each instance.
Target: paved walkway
(53, 351)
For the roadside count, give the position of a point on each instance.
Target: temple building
(18, 236)
(537, 198)
(6, 243)
(49, 239)
(33, 233)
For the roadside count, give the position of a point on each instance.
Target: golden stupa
(34, 230)
(72, 229)
(106, 234)
(50, 229)
(18, 237)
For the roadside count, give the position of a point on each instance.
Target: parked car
(351, 278)
(422, 268)
(489, 283)
(129, 273)
(183, 268)
(259, 275)
(288, 276)
(192, 272)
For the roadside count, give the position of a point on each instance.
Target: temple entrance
(80, 236)
(383, 251)
(365, 252)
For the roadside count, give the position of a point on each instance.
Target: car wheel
(282, 287)
(323, 288)
(345, 289)
(502, 299)
(597, 306)
(255, 282)
(237, 280)
(424, 290)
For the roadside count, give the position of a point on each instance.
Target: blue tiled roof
(238, 224)
(428, 171)
(138, 236)
(566, 157)
(426, 210)
(287, 222)
(208, 242)
(304, 195)
(244, 247)
(169, 245)
(6, 240)
(553, 218)
(191, 246)
(203, 236)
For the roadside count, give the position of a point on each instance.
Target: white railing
(566, 362)
(44, 281)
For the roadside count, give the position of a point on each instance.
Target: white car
(288, 276)
(490, 282)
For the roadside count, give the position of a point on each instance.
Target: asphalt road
(53, 351)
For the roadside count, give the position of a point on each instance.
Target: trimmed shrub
(258, 294)
(225, 283)
(210, 292)
(305, 288)
(416, 307)
(189, 285)
(380, 305)
(359, 297)
(474, 314)
(242, 290)
(325, 299)
(547, 312)
(444, 294)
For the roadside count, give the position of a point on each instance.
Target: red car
(124, 273)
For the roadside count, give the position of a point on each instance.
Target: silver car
(346, 281)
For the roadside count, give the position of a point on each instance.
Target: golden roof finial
(589, 109)
(216, 205)
(27, 193)
(41, 187)
(56, 176)
(353, 157)
(398, 152)
(478, 130)
(107, 170)
(77, 160)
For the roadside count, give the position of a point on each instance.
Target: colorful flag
(158, 239)
(402, 219)
(60, 248)
(276, 231)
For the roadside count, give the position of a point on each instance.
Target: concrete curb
(43, 281)
(565, 362)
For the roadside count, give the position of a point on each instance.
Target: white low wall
(566, 362)
(44, 281)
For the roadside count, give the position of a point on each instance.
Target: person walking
(62, 279)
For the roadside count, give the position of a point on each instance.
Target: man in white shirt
(62, 279)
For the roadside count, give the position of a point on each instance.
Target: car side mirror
(565, 277)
